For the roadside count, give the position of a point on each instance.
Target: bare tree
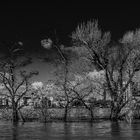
(67, 67)
(15, 81)
(65, 97)
(87, 89)
(62, 80)
(120, 61)
(41, 97)
(62, 73)
(83, 90)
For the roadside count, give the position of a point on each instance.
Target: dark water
(104, 130)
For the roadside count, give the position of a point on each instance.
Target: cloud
(46, 43)
(20, 43)
(37, 85)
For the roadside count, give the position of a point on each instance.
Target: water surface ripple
(103, 130)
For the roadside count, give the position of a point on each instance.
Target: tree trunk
(90, 109)
(114, 116)
(115, 111)
(65, 113)
(46, 116)
(91, 113)
(22, 117)
(15, 113)
(44, 110)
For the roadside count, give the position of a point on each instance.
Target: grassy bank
(57, 114)
(54, 114)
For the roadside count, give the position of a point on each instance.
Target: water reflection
(115, 129)
(103, 130)
(15, 132)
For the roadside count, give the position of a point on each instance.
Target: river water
(103, 130)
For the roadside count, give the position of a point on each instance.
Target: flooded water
(103, 130)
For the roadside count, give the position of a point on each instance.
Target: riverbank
(57, 114)
(78, 113)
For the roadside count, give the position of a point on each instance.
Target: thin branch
(23, 93)
(20, 84)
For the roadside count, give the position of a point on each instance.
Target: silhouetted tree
(83, 90)
(119, 61)
(62, 80)
(41, 97)
(62, 73)
(15, 81)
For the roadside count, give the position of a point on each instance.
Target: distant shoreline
(57, 115)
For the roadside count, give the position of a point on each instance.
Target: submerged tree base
(57, 114)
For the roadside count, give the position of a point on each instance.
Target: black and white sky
(31, 22)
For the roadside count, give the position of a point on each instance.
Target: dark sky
(30, 22)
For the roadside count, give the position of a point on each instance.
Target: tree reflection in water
(15, 131)
(115, 129)
(103, 130)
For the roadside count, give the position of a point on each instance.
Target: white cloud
(37, 85)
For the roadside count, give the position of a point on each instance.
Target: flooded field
(103, 130)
